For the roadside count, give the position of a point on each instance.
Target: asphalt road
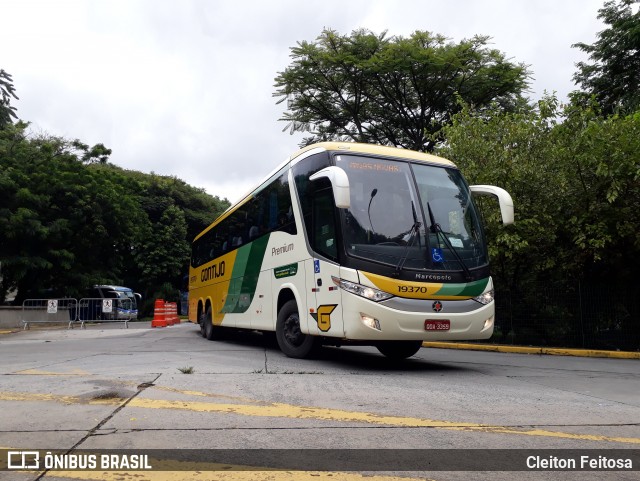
(107, 388)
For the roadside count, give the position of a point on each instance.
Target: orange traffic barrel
(174, 311)
(159, 318)
(168, 314)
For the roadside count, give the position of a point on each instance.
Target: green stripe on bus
(469, 289)
(244, 277)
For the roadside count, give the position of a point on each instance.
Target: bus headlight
(362, 291)
(485, 298)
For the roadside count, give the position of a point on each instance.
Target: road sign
(52, 306)
(107, 305)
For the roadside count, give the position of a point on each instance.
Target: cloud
(185, 88)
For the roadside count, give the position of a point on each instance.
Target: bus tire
(201, 322)
(206, 326)
(399, 349)
(292, 342)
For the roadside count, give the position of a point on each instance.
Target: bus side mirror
(339, 184)
(504, 199)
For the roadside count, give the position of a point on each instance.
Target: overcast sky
(184, 88)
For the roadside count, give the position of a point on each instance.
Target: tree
(516, 151)
(199, 208)
(575, 179)
(7, 112)
(602, 158)
(163, 253)
(613, 73)
(391, 90)
(69, 219)
(63, 224)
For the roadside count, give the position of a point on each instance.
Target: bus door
(327, 309)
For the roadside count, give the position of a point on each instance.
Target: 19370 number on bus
(412, 289)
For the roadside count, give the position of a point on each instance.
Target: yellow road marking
(289, 411)
(207, 394)
(37, 372)
(280, 410)
(29, 396)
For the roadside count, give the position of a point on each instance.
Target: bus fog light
(370, 321)
(488, 324)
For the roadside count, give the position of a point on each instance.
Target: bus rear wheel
(208, 330)
(291, 340)
(201, 321)
(399, 349)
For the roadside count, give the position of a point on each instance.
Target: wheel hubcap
(292, 332)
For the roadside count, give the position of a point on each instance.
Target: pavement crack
(94, 431)
(266, 367)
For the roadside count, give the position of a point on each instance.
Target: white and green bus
(350, 243)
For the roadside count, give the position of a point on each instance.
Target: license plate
(439, 325)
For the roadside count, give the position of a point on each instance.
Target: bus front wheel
(399, 349)
(291, 340)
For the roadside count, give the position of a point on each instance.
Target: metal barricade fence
(95, 309)
(40, 311)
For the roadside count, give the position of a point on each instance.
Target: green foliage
(515, 151)
(62, 224)
(97, 153)
(603, 153)
(613, 74)
(163, 253)
(391, 90)
(7, 90)
(69, 219)
(575, 179)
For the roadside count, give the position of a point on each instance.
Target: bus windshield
(410, 215)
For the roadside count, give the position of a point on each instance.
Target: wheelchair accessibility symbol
(436, 255)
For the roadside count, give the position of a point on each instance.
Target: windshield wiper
(437, 229)
(413, 232)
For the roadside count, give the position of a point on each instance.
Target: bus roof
(373, 149)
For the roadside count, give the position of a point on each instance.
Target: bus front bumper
(371, 321)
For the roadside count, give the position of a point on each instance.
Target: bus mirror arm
(339, 184)
(504, 199)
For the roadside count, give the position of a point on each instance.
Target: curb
(552, 351)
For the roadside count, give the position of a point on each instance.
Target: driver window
(324, 226)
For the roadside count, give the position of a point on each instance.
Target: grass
(187, 370)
